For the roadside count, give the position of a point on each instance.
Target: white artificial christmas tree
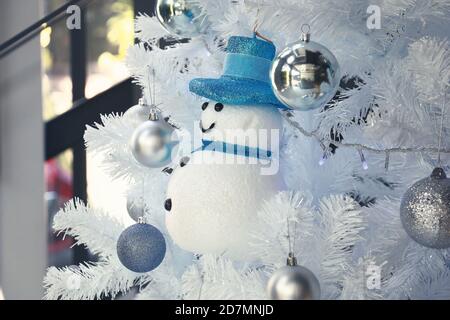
(334, 202)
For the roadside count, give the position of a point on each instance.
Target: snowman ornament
(214, 195)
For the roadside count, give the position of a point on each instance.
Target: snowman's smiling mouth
(209, 129)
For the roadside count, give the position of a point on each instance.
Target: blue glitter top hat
(245, 79)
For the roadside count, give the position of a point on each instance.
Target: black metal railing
(32, 31)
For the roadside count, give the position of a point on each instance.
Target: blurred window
(56, 82)
(110, 26)
(109, 32)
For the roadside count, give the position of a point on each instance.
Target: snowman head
(234, 123)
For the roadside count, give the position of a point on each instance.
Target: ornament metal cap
(291, 260)
(306, 35)
(438, 173)
(141, 220)
(154, 114)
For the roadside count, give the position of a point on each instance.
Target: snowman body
(215, 196)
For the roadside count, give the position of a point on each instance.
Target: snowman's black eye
(184, 161)
(218, 107)
(168, 204)
(205, 105)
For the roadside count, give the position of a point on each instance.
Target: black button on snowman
(214, 196)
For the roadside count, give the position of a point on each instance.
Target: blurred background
(110, 33)
(53, 82)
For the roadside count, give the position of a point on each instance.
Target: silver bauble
(305, 75)
(138, 114)
(425, 211)
(182, 18)
(293, 282)
(152, 142)
(136, 207)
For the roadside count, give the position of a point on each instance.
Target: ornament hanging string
(151, 88)
(259, 35)
(292, 236)
(257, 24)
(151, 85)
(289, 236)
(143, 198)
(441, 129)
(202, 279)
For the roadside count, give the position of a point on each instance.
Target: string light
(323, 159)
(363, 160)
(386, 161)
(361, 147)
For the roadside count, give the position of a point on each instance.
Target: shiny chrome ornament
(305, 75)
(293, 282)
(137, 207)
(181, 18)
(153, 142)
(425, 211)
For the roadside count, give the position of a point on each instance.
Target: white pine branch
(271, 243)
(90, 227)
(418, 266)
(87, 281)
(215, 278)
(429, 62)
(149, 29)
(434, 286)
(340, 223)
(416, 9)
(355, 285)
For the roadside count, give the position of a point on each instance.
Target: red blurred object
(59, 191)
(58, 180)
(60, 245)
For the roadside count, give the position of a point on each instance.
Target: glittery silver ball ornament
(153, 141)
(138, 114)
(425, 211)
(136, 207)
(141, 248)
(182, 18)
(293, 282)
(305, 75)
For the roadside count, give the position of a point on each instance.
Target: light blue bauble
(141, 248)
